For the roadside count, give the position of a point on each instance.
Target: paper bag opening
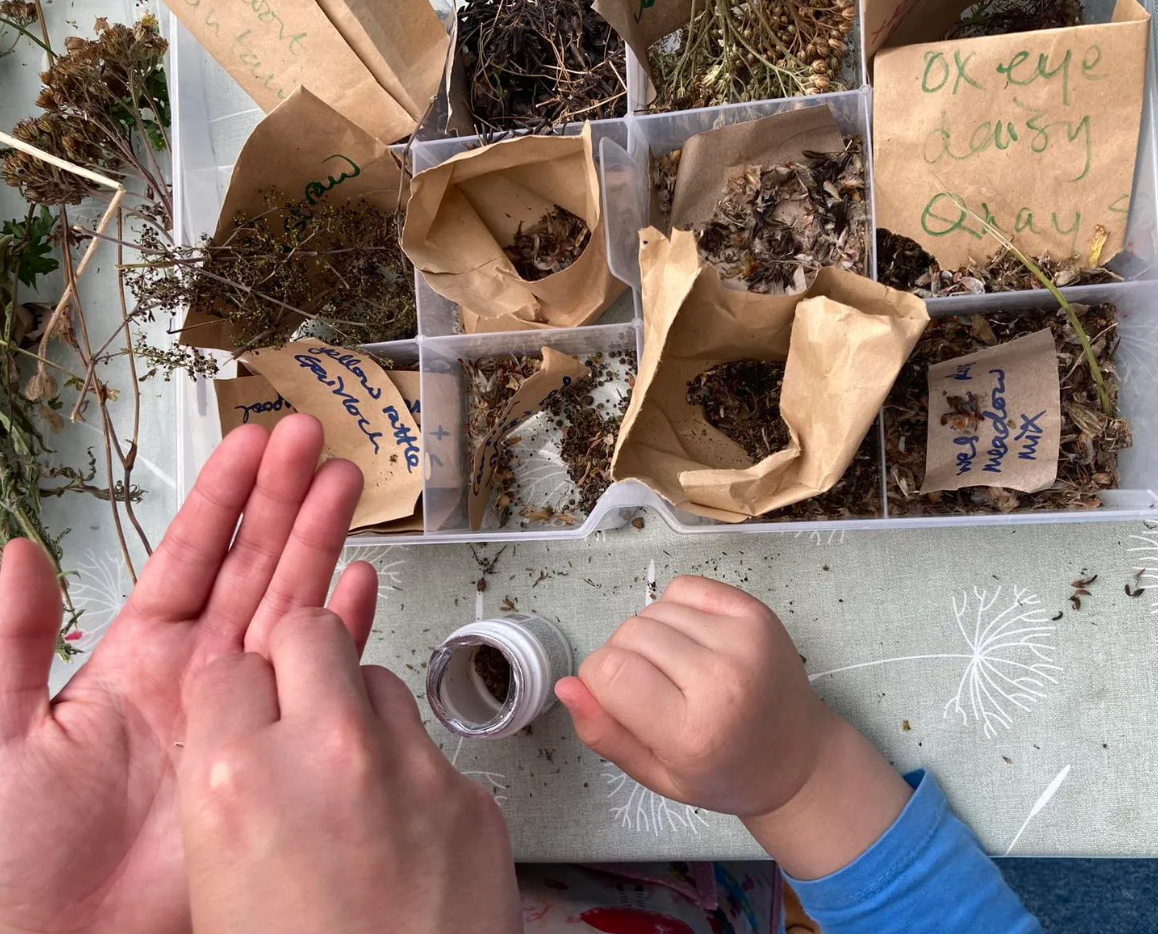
(463, 213)
(843, 342)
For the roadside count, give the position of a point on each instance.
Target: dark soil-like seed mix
(493, 668)
(1002, 17)
(1090, 441)
(538, 64)
(904, 264)
(742, 399)
(549, 245)
(588, 429)
(777, 226)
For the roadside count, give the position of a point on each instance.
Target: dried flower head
(74, 140)
(18, 13)
(759, 50)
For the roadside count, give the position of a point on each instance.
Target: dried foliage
(336, 269)
(494, 670)
(1001, 17)
(760, 50)
(1090, 441)
(903, 264)
(16, 16)
(549, 245)
(856, 495)
(776, 227)
(538, 64)
(99, 99)
(742, 399)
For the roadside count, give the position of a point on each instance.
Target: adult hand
(702, 697)
(313, 800)
(88, 790)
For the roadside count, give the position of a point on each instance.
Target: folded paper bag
(269, 53)
(305, 151)
(843, 342)
(463, 212)
(1035, 133)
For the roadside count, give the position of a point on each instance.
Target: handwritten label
(265, 407)
(1034, 133)
(995, 418)
(365, 417)
(249, 400)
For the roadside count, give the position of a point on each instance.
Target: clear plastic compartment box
(212, 117)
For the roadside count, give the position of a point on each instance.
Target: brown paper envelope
(270, 50)
(1037, 132)
(1018, 393)
(461, 213)
(402, 43)
(303, 149)
(902, 22)
(558, 370)
(708, 158)
(844, 339)
(642, 22)
(365, 417)
(249, 400)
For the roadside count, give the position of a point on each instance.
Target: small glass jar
(493, 677)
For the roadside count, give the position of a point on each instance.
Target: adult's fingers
(30, 612)
(317, 669)
(229, 699)
(303, 574)
(283, 480)
(634, 692)
(393, 703)
(603, 734)
(178, 578)
(354, 600)
(678, 656)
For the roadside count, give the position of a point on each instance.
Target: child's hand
(702, 697)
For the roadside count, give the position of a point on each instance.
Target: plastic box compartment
(206, 142)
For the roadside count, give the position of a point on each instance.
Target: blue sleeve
(926, 873)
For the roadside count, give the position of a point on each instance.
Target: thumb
(30, 614)
(606, 736)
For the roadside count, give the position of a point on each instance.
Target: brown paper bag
(708, 159)
(249, 400)
(844, 341)
(1004, 429)
(640, 23)
(1034, 132)
(402, 44)
(307, 149)
(463, 212)
(365, 417)
(270, 49)
(558, 370)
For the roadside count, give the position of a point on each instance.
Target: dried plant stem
(998, 235)
(11, 24)
(85, 351)
(129, 460)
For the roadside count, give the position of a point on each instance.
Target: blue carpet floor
(1088, 896)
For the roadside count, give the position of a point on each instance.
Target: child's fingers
(710, 632)
(602, 734)
(635, 693)
(679, 657)
(710, 596)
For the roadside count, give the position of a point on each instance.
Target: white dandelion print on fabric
(1145, 550)
(640, 810)
(99, 588)
(388, 561)
(1010, 662)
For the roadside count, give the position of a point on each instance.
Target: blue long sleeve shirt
(927, 875)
